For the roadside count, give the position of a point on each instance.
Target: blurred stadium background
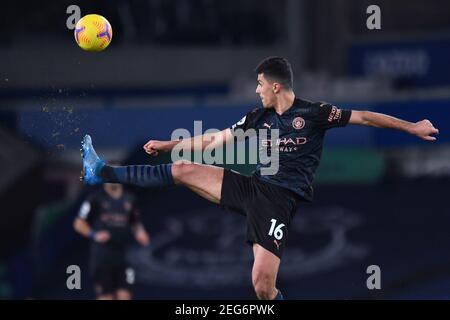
(381, 196)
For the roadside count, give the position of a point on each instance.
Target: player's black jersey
(301, 132)
(116, 216)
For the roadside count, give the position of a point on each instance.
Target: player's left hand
(425, 130)
(142, 237)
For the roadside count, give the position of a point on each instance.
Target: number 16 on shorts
(275, 230)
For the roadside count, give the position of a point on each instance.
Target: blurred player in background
(268, 202)
(110, 218)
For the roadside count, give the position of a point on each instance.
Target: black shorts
(110, 278)
(269, 208)
(109, 270)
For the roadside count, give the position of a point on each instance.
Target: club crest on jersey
(298, 123)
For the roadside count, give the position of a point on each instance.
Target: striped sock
(139, 175)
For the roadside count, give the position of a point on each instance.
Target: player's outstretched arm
(197, 143)
(423, 129)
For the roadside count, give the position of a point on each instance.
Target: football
(93, 33)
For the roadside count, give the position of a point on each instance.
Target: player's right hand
(153, 147)
(102, 236)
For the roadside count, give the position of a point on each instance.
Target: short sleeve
(87, 209)
(329, 116)
(247, 122)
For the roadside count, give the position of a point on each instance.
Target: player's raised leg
(203, 179)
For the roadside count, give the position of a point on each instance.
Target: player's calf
(139, 175)
(265, 292)
(264, 286)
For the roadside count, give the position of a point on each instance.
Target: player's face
(264, 90)
(112, 187)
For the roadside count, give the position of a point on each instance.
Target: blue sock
(140, 175)
(279, 296)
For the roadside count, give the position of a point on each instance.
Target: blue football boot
(92, 164)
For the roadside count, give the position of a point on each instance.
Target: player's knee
(182, 168)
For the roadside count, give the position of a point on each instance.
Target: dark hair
(277, 68)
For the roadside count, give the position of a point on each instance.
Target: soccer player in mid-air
(268, 201)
